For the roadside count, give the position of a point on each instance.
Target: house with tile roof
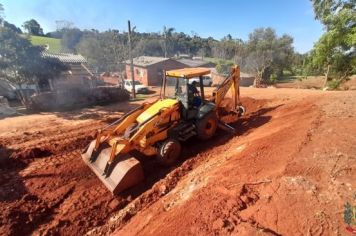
(149, 70)
(78, 74)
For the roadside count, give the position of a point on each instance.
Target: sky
(203, 17)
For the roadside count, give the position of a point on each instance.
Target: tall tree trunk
(258, 80)
(326, 76)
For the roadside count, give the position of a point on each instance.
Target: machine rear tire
(169, 152)
(206, 126)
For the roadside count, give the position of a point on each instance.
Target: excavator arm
(109, 154)
(229, 109)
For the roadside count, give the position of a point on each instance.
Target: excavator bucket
(124, 173)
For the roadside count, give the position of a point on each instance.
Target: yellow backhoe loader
(160, 127)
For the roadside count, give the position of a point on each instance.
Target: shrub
(273, 79)
(224, 67)
(334, 84)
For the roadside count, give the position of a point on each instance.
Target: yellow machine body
(143, 128)
(122, 170)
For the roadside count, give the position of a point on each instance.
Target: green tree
(259, 62)
(299, 62)
(104, 51)
(283, 56)
(150, 47)
(21, 62)
(229, 48)
(6, 24)
(267, 53)
(167, 38)
(15, 63)
(223, 67)
(334, 53)
(1, 13)
(12, 27)
(32, 27)
(325, 9)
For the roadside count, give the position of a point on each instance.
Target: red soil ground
(316, 82)
(288, 171)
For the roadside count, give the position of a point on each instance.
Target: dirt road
(288, 171)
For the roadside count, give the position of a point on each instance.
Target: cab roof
(188, 73)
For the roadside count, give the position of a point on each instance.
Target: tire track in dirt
(56, 192)
(259, 159)
(164, 181)
(48, 144)
(45, 188)
(47, 178)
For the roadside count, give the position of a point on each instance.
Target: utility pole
(165, 41)
(131, 62)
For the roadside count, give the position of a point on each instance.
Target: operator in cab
(194, 94)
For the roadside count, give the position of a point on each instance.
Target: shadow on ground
(11, 183)
(154, 172)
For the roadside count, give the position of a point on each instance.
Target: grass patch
(288, 79)
(54, 44)
(217, 60)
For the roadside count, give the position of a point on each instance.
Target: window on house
(141, 73)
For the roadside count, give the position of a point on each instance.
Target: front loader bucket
(127, 171)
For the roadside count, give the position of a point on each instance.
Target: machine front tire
(206, 126)
(169, 152)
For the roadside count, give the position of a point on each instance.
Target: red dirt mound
(292, 153)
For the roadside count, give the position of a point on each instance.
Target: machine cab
(177, 84)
